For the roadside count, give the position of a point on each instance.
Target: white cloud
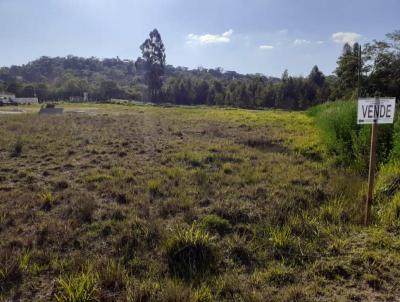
(346, 37)
(210, 39)
(301, 42)
(266, 47)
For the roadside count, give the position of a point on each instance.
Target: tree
(347, 70)
(383, 65)
(153, 52)
(316, 76)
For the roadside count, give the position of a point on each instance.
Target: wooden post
(371, 174)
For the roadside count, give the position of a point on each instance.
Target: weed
(48, 200)
(77, 288)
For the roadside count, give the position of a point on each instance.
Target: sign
(374, 111)
(379, 111)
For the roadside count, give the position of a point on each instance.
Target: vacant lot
(144, 203)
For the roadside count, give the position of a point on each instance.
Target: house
(7, 99)
(10, 99)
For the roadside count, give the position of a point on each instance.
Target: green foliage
(346, 140)
(77, 288)
(190, 252)
(390, 213)
(153, 52)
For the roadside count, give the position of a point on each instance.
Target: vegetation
(147, 203)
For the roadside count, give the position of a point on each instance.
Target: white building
(10, 99)
(6, 98)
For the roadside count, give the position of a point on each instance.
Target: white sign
(380, 111)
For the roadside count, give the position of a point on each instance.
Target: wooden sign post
(374, 111)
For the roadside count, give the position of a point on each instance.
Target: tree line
(375, 67)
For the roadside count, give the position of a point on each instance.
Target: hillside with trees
(149, 78)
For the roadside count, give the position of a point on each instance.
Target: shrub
(215, 224)
(190, 252)
(347, 140)
(78, 288)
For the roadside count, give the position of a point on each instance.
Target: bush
(215, 224)
(345, 139)
(190, 253)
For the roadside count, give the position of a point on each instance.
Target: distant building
(26, 101)
(10, 99)
(7, 99)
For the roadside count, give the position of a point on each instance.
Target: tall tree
(347, 70)
(316, 76)
(153, 52)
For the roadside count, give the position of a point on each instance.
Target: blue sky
(249, 36)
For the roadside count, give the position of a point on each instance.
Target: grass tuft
(190, 252)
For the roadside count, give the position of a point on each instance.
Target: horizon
(264, 37)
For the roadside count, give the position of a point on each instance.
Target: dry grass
(117, 183)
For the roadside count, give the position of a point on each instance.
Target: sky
(248, 36)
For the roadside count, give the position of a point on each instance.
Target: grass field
(147, 203)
